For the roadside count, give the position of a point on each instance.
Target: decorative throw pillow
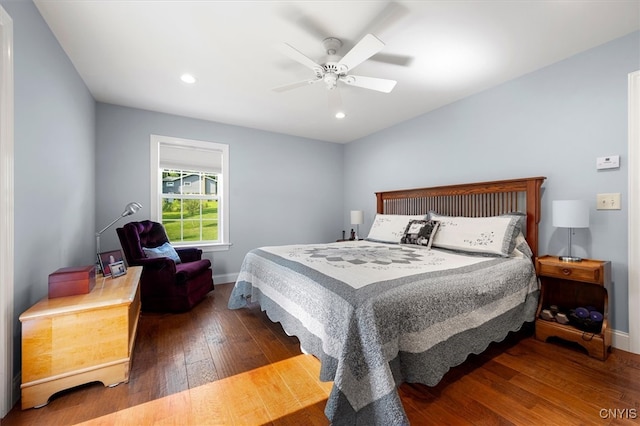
(420, 232)
(494, 235)
(165, 250)
(389, 228)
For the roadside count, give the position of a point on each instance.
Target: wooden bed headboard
(480, 199)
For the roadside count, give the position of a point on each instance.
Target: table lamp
(129, 209)
(357, 218)
(570, 214)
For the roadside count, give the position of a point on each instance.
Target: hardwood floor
(217, 366)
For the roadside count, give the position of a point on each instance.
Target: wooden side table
(569, 285)
(69, 341)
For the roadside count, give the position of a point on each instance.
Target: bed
(404, 306)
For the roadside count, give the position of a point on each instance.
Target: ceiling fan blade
(306, 23)
(388, 17)
(393, 59)
(295, 85)
(295, 54)
(366, 48)
(379, 84)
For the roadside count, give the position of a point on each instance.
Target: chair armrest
(188, 270)
(157, 263)
(189, 254)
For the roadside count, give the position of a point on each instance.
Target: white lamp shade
(570, 214)
(357, 217)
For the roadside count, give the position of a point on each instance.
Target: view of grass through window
(190, 205)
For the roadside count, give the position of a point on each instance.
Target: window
(189, 191)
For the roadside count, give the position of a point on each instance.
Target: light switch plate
(608, 201)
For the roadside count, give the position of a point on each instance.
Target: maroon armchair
(166, 285)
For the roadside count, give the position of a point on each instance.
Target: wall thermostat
(610, 162)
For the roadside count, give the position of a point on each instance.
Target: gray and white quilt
(377, 315)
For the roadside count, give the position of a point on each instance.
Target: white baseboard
(620, 340)
(225, 278)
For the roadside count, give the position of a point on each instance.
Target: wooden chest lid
(73, 273)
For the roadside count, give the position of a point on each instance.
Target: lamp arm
(104, 229)
(108, 226)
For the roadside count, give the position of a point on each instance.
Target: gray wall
(54, 139)
(553, 122)
(283, 189)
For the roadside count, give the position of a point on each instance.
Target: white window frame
(223, 192)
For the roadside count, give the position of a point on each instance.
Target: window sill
(207, 248)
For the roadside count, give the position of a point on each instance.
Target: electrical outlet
(608, 201)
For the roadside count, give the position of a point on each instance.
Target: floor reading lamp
(129, 209)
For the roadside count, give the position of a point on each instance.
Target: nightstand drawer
(570, 272)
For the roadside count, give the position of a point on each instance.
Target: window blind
(190, 158)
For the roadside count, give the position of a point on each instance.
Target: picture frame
(117, 269)
(108, 257)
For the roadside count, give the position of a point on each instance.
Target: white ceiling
(132, 53)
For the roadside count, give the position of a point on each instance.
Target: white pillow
(521, 249)
(389, 228)
(494, 235)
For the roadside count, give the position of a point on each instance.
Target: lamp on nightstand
(570, 214)
(357, 219)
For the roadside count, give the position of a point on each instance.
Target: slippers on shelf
(553, 314)
(562, 318)
(547, 315)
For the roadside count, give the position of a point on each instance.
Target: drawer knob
(566, 271)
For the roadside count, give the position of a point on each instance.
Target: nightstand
(569, 285)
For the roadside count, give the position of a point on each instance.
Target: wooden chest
(70, 341)
(71, 281)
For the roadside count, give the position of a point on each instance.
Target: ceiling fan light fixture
(340, 115)
(188, 78)
(331, 80)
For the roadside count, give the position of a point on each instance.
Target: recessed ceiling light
(340, 115)
(188, 78)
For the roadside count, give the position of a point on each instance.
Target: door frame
(634, 212)
(6, 212)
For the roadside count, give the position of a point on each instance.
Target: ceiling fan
(337, 69)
